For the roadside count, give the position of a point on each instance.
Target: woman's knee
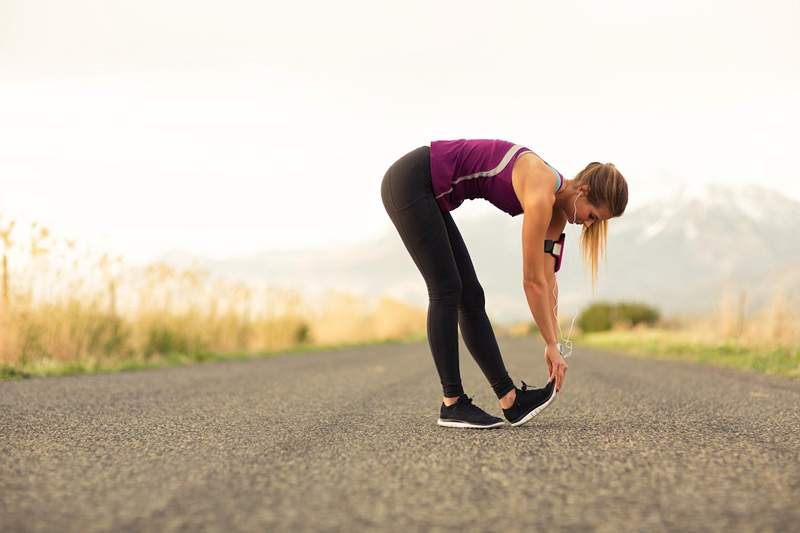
(449, 289)
(472, 297)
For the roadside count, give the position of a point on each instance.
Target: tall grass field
(67, 309)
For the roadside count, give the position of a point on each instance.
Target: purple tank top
(477, 168)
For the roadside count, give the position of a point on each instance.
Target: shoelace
(466, 402)
(523, 389)
(526, 388)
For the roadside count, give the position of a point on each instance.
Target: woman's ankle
(508, 399)
(449, 400)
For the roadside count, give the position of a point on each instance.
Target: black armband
(556, 249)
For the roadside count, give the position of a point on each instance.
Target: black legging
(455, 296)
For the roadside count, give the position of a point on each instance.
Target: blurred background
(199, 178)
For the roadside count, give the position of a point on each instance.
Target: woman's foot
(530, 402)
(464, 414)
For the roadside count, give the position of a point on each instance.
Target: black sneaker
(463, 414)
(530, 402)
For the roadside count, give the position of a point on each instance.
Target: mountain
(684, 252)
(680, 254)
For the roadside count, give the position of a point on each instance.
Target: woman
(421, 188)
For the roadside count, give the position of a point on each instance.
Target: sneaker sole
(459, 424)
(536, 411)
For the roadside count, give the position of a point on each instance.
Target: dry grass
(346, 318)
(64, 306)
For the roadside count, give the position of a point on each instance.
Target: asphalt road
(347, 440)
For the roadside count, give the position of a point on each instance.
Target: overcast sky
(223, 128)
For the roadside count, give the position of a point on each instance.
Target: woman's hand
(556, 366)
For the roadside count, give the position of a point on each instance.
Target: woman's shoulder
(531, 176)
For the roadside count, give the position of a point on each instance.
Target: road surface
(346, 440)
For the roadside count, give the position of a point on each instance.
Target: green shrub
(302, 332)
(108, 334)
(597, 317)
(637, 313)
(164, 340)
(601, 316)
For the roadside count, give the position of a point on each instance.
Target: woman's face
(584, 212)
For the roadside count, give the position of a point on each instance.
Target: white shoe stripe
(460, 424)
(537, 410)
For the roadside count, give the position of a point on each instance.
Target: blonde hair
(607, 187)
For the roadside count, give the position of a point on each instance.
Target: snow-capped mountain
(685, 250)
(679, 254)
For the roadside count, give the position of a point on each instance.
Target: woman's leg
(407, 195)
(475, 326)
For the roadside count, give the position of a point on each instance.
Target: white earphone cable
(565, 345)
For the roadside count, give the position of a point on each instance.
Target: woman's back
(477, 168)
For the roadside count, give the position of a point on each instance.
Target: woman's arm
(537, 185)
(557, 224)
(552, 288)
(552, 293)
(536, 192)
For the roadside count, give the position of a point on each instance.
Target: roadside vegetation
(767, 341)
(65, 309)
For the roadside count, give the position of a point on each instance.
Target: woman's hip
(407, 180)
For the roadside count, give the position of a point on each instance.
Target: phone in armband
(556, 249)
